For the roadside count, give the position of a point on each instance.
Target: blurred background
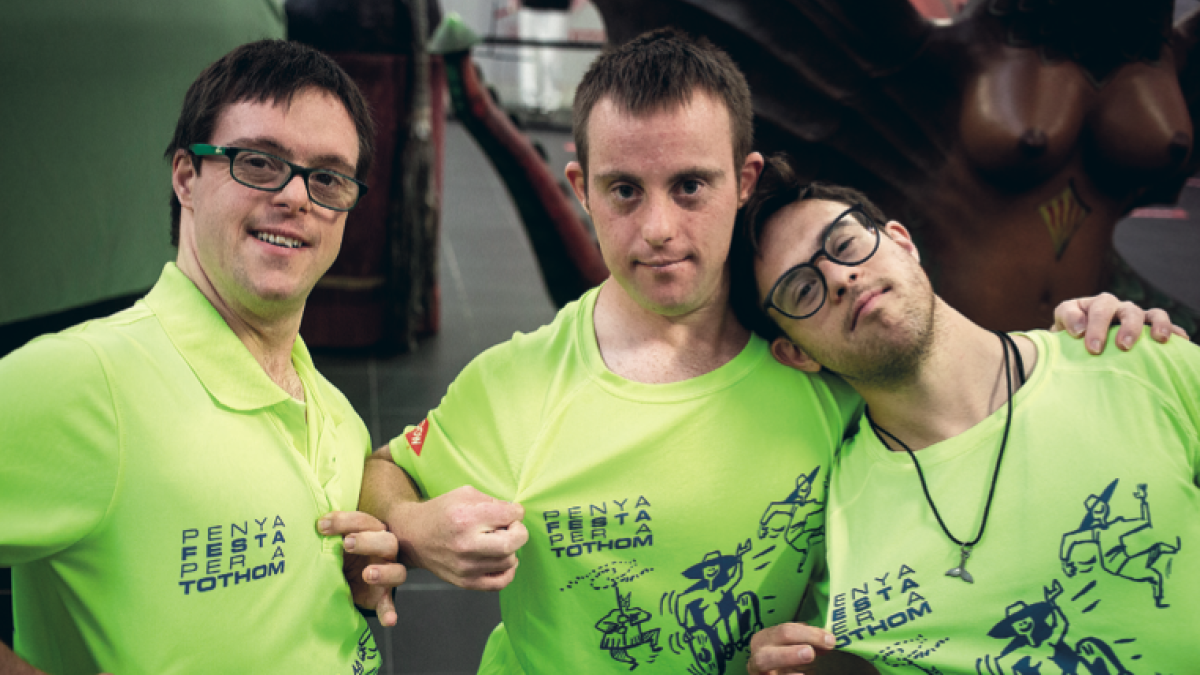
(469, 232)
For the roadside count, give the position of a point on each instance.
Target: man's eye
(623, 191)
(690, 187)
(324, 178)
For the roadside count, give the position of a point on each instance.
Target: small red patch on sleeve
(416, 437)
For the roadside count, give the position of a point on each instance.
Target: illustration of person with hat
(799, 518)
(717, 624)
(1037, 634)
(1113, 548)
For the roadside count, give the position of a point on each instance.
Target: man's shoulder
(88, 341)
(1146, 358)
(543, 349)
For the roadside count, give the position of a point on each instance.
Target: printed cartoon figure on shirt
(716, 621)
(1037, 643)
(624, 629)
(1112, 543)
(799, 518)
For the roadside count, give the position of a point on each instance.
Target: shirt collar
(221, 362)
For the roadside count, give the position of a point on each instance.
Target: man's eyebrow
(824, 233)
(706, 175)
(615, 176)
(272, 146)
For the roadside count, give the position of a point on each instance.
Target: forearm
(387, 493)
(11, 664)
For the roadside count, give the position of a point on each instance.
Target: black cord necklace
(1006, 344)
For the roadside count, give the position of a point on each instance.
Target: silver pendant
(961, 571)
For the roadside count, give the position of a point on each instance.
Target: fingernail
(1126, 342)
(1094, 346)
(348, 544)
(830, 641)
(372, 575)
(1077, 329)
(806, 654)
(324, 524)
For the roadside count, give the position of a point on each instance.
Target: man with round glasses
(161, 470)
(962, 533)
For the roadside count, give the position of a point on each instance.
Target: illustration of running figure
(622, 629)
(716, 623)
(1037, 643)
(800, 519)
(1115, 555)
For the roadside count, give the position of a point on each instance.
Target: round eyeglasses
(263, 171)
(851, 239)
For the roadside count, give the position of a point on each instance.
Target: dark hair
(778, 187)
(267, 71)
(658, 70)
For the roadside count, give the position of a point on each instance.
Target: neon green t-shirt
(1091, 556)
(667, 522)
(160, 495)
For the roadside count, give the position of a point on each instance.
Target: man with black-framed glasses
(1009, 503)
(162, 469)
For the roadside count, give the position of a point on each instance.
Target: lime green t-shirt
(667, 522)
(1090, 562)
(160, 496)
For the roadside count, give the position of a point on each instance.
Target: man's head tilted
(820, 272)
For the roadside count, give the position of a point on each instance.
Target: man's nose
(661, 220)
(294, 193)
(839, 278)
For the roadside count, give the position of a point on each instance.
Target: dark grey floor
(490, 288)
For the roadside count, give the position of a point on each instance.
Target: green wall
(89, 94)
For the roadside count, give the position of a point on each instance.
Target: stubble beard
(889, 364)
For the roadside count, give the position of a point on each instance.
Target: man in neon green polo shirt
(162, 469)
(1009, 503)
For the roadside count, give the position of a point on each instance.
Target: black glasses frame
(870, 225)
(206, 150)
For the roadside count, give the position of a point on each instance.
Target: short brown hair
(778, 187)
(658, 70)
(271, 71)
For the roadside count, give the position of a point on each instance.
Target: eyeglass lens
(849, 242)
(270, 173)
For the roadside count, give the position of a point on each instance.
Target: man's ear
(578, 181)
(786, 352)
(899, 234)
(748, 176)
(183, 173)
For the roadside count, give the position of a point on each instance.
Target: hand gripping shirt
(1090, 562)
(667, 522)
(160, 496)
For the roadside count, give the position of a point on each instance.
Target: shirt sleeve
(59, 447)
(476, 435)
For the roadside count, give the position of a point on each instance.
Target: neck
(959, 384)
(644, 346)
(268, 338)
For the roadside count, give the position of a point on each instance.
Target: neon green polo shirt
(160, 495)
